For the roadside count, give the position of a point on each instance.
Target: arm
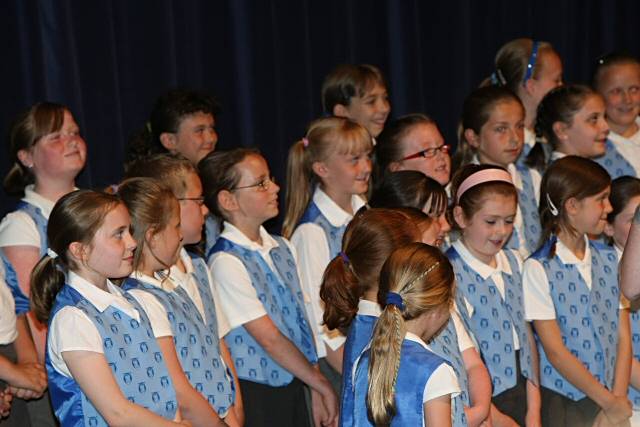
(629, 264)
(437, 412)
(25, 380)
(479, 387)
(193, 405)
(334, 357)
(93, 375)
(238, 408)
(534, 400)
(623, 361)
(616, 408)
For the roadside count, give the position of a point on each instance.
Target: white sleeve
(18, 229)
(464, 340)
(8, 332)
(223, 323)
(239, 300)
(442, 381)
(71, 330)
(536, 179)
(155, 312)
(538, 304)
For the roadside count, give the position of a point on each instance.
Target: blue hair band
(532, 62)
(394, 299)
(344, 257)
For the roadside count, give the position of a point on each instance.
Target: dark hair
(218, 172)
(166, 116)
(566, 178)
(170, 169)
(610, 60)
(28, 128)
(623, 189)
(346, 81)
(410, 189)
(472, 199)
(76, 217)
(368, 240)
(476, 110)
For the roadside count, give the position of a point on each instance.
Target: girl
(617, 79)
(97, 334)
(571, 119)
(397, 380)
(271, 340)
(489, 296)
(326, 173)
(530, 69)
(572, 297)
(492, 133)
(350, 293)
(415, 190)
(154, 211)
(413, 142)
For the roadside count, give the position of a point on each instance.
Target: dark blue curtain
(265, 60)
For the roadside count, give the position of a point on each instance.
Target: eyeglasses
(261, 186)
(198, 200)
(428, 153)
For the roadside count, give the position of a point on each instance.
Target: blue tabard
(133, 355)
(416, 366)
(494, 319)
(634, 395)
(588, 319)
(359, 335)
(211, 232)
(284, 304)
(197, 344)
(445, 345)
(334, 234)
(529, 210)
(22, 302)
(615, 163)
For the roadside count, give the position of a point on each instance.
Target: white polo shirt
(629, 148)
(17, 228)
(8, 332)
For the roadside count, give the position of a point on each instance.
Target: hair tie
(482, 176)
(531, 63)
(497, 78)
(552, 208)
(394, 299)
(344, 257)
(305, 142)
(114, 188)
(51, 253)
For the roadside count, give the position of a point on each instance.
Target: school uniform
(622, 156)
(256, 280)
(422, 376)
(569, 290)
(491, 305)
(86, 318)
(529, 143)
(211, 231)
(194, 325)
(318, 239)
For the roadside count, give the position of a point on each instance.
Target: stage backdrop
(265, 60)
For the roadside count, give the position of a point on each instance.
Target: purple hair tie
(394, 299)
(344, 257)
(305, 142)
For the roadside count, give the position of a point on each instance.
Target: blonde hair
(423, 277)
(170, 169)
(512, 60)
(324, 137)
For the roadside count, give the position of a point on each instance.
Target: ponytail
(46, 281)
(300, 184)
(340, 286)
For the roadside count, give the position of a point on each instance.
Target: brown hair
(367, 242)
(512, 60)
(610, 60)
(623, 189)
(76, 217)
(349, 80)
(410, 189)
(170, 169)
(424, 279)
(29, 127)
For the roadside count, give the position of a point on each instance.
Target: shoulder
(18, 228)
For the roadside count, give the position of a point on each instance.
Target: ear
(227, 201)
(320, 169)
(560, 129)
(150, 235)
(25, 158)
(459, 218)
(571, 206)
(530, 86)
(472, 138)
(395, 166)
(77, 251)
(168, 141)
(340, 110)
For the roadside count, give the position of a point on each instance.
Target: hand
(29, 376)
(619, 410)
(501, 420)
(322, 415)
(5, 403)
(601, 420)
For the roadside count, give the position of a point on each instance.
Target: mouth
(496, 242)
(128, 259)
(73, 153)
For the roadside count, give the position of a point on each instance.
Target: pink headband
(485, 175)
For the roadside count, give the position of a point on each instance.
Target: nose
(213, 136)
(204, 209)
(444, 224)
(384, 106)
(366, 167)
(130, 242)
(607, 206)
(274, 188)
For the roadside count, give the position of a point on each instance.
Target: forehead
(619, 73)
(593, 103)
(421, 136)
(550, 61)
(117, 217)
(197, 119)
(252, 166)
(506, 107)
(498, 205)
(193, 184)
(371, 88)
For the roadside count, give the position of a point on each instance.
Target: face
(165, 244)
(348, 173)
(435, 231)
(110, 253)
(549, 77)
(432, 322)
(370, 110)
(58, 155)
(486, 232)
(619, 229)
(192, 210)
(258, 200)
(502, 137)
(421, 137)
(590, 214)
(196, 136)
(620, 87)
(587, 134)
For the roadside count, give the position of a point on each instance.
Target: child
(529, 69)
(154, 211)
(489, 288)
(357, 92)
(413, 142)
(571, 119)
(492, 133)
(397, 380)
(271, 340)
(97, 334)
(617, 79)
(572, 297)
(327, 171)
(415, 190)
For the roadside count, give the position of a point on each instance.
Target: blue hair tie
(532, 62)
(344, 257)
(394, 299)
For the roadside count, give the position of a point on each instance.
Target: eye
(509, 221)
(501, 129)
(490, 221)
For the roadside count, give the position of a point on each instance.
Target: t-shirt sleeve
(538, 304)
(155, 312)
(464, 339)
(18, 229)
(442, 381)
(223, 323)
(238, 297)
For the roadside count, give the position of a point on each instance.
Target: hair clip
(552, 208)
(305, 142)
(344, 257)
(394, 298)
(497, 78)
(51, 253)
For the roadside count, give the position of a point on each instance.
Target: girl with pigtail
(398, 381)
